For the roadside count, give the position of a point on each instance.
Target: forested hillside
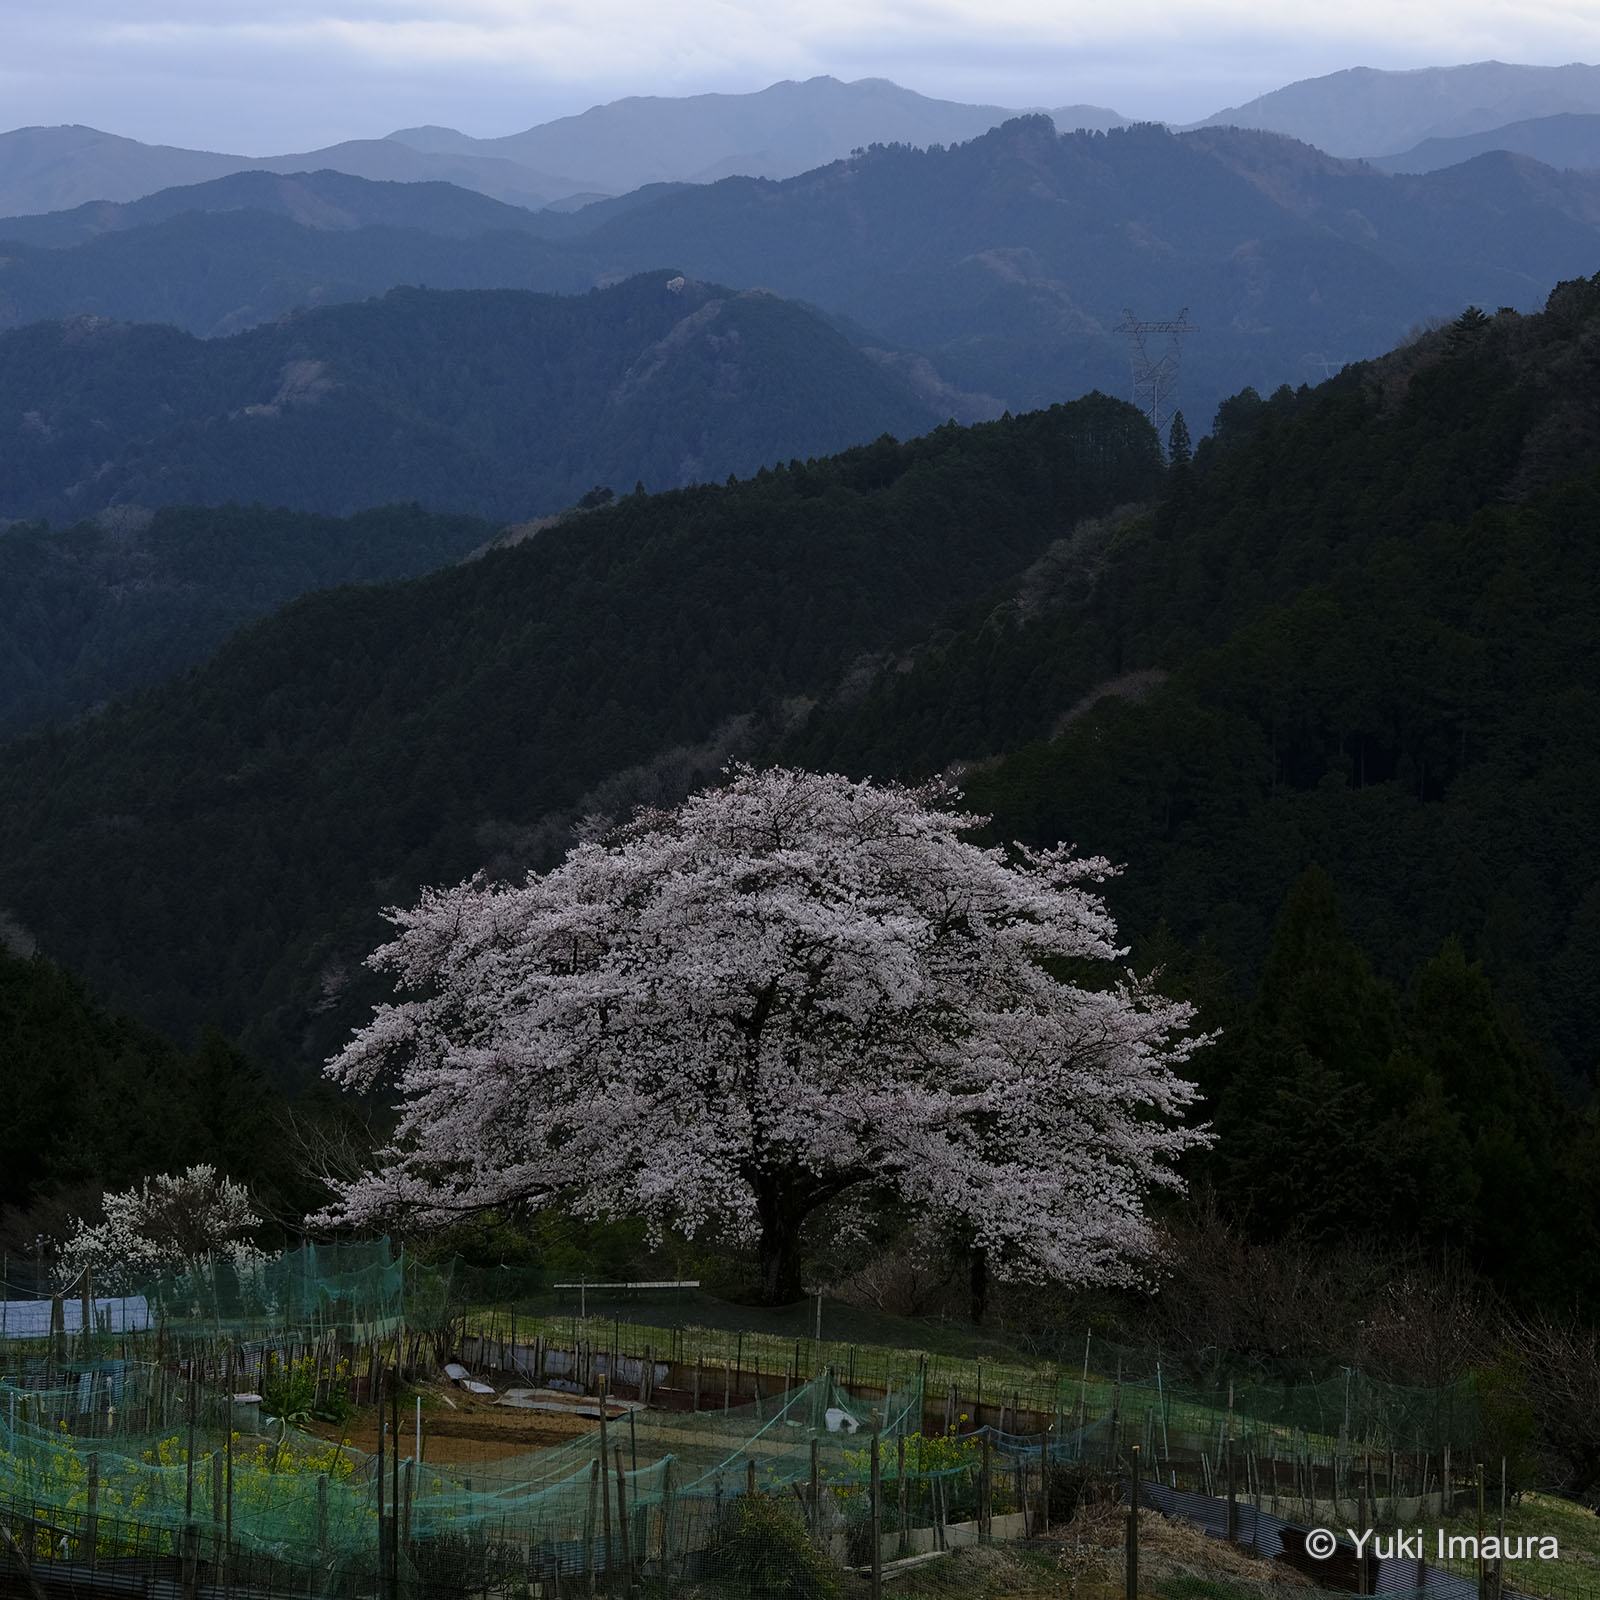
(222, 848)
(132, 597)
(1374, 603)
(1327, 690)
(1340, 682)
(97, 1099)
(498, 403)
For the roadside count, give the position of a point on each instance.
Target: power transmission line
(1155, 378)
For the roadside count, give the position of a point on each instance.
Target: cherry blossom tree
(788, 987)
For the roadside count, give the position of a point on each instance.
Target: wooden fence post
(1132, 1559)
(985, 1489)
(227, 1508)
(91, 1521)
(216, 1509)
(1232, 1474)
(668, 1491)
(383, 1587)
(622, 1522)
(588, 1527)
(394, 1479)
(877, 1519)
(322, 1533)
(900, 1493)
(605, 1498)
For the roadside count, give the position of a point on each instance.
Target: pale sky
(265, 78)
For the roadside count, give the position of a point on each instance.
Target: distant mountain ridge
(1569, 141)
(1003, 263)
(217, 273)
(1364, 111)
(325, 200)
(1008, 260)
(777, 132)
(55, 169)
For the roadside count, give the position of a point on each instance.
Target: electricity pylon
(1155, 379)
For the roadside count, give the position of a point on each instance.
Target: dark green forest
(1360, 626)
(133, 597)
(219, 849)
(96, 1100)
(1323, 684)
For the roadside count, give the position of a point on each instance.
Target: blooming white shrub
(169, 1222)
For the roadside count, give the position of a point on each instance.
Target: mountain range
(1007, 261)
(987, 275)
(54, 169)
(781, 131)
(776, 132)
(326, 199)
(1569, 140)
(1364, 111)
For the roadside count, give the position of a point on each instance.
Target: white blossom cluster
(787, 987)
(169, 1222)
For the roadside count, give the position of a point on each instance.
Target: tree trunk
(978, 1285)
(782, 1210)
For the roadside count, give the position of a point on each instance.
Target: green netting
(356, 1295)
(136, 1456)
(353, 1291)
(164, 1468)
(1352, 1412)
(1315, 1409)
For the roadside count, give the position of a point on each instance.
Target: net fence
(144, 1440)
(126, 1462)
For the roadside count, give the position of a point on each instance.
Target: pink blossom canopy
(786, 987)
